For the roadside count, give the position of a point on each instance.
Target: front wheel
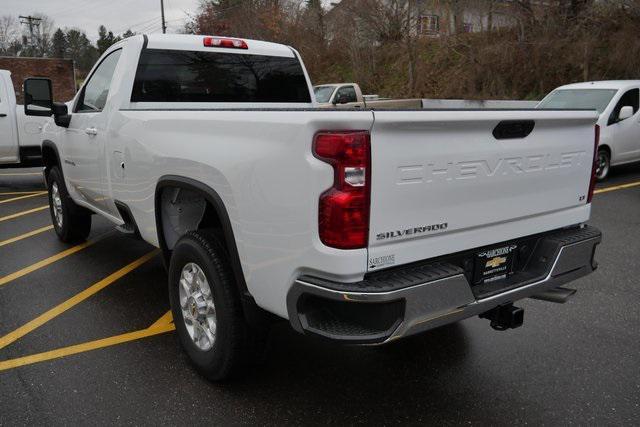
(206, 306)
(603, 165)
(70, 221)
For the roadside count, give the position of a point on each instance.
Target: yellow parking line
(25, 235)
(21, 174)
(13, 199)
(617, 187)
(74, 300)
(166, 319)
(154, 329)
(19, 214)
(15, 193)
(45, 262)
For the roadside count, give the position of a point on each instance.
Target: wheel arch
(50, 156)
(606, 147)
(213, 200)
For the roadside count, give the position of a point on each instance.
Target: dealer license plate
(494, 264)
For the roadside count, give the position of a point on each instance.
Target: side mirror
(61, 114)
(341, 99)
(625, 113)
(38, 99)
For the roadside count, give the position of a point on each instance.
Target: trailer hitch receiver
(504, 317)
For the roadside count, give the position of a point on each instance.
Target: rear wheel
(603, 165)
(206, 306)
(71, 222)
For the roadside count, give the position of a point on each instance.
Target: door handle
(3, 115)
(91, 131)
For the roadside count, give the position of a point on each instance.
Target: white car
(20, 137)
(617, 103)
(356, 226)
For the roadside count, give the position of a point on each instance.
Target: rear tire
(206, 306)
(71, 222)
(603, 165)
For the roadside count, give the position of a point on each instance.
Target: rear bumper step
(558, 295)
(391, 304)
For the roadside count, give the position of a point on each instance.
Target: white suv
(617, 102)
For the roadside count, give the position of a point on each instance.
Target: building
(429, 18)
(60, 71)
(442, 17)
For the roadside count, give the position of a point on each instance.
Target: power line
(137, 24)
(32, 22)
(154, 26)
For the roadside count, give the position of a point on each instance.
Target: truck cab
(20, 135)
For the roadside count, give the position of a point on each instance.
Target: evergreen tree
(105, 39)
(59, 44)
(80, 49)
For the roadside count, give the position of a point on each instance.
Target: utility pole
(32, 22)
(164, 25)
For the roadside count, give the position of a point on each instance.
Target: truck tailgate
(442, 182)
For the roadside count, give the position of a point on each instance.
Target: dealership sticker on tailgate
(382, 261)
(493, 264)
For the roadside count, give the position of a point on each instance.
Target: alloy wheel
(198, 308)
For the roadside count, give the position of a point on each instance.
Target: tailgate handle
(513, 129)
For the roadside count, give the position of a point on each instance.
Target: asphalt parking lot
(85, 336)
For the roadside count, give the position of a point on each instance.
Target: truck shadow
(391, 383)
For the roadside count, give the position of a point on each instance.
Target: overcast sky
(116, 15)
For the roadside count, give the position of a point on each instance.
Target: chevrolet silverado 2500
(358, 226)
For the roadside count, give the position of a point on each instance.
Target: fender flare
(48, 144)
(215, 200)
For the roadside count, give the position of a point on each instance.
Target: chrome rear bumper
(389, 305)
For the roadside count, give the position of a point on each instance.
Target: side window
(630, 98)
(347, 93)
(95, 92)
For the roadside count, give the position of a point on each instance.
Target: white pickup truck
(349, 95)
(357, 226)
(20, 137)
(617, 103)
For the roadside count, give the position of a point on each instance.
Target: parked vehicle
(349, 95)
(354, 229)
(617, 103)
(19, 135)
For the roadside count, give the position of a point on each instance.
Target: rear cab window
(182, 76)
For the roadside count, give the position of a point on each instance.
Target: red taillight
(343, 216)
(224, 42)
(592, 184)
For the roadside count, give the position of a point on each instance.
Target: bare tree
(9, 36)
